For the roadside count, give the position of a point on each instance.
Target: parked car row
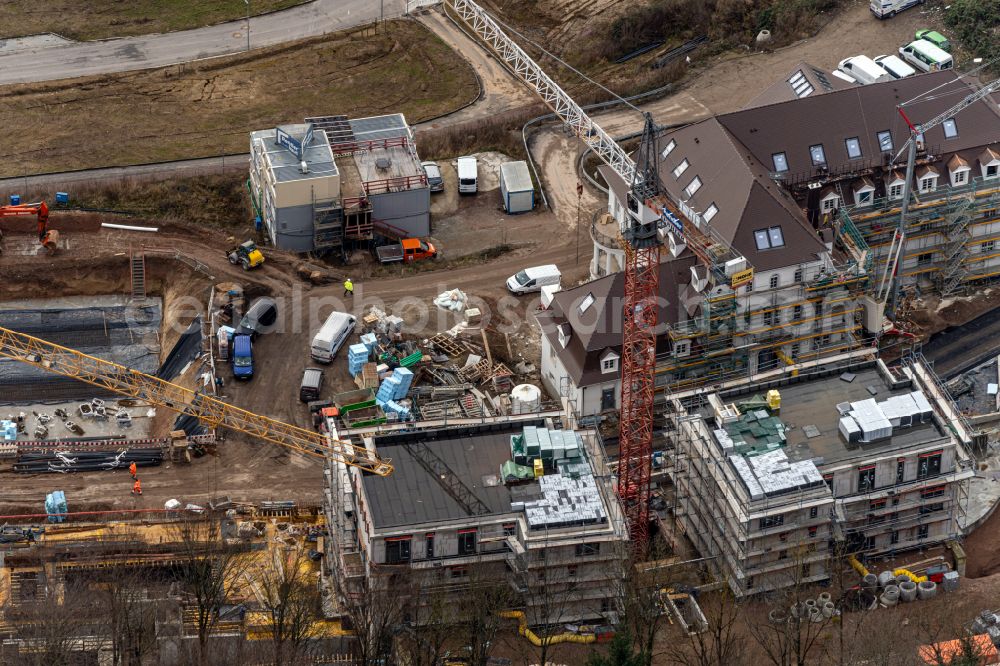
(927, 53)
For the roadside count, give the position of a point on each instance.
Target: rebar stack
(87, 461)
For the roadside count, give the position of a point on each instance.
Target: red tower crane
(649, 210)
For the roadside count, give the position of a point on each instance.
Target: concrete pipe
(886, 578)
(778, 616)
(892, 591)
(870, 581)
(815, 614)
(822, 598)
(926, 589)
(888, 600)
(902, 578)
(828, 609)
(908, 591)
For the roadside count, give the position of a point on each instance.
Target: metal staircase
(956, 250)
(138, 264)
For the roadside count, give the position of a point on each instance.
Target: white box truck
(331, 336)
(516, 189)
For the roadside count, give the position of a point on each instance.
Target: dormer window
(681, 168)
(830, 202)
(989, 162)
(564, 332)
(958, 171)
(927, 180)
(609, 362)
(864, 193)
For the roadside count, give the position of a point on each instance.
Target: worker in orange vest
(131, 470)
(137, 488)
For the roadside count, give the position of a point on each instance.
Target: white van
(897, 68)
(335, 330)
(925, 56)
(468, 175)
(864, 70)
(889, 8)
(533, 279)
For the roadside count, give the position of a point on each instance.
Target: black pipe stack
(87, 461)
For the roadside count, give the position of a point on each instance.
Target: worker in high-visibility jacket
(137, 488)
(131, 470)
(348, 287)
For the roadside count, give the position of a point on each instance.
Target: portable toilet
(516, 188)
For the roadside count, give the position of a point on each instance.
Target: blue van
(242, 357)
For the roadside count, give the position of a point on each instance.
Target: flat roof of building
(812, 401)
(412, 495)
(286, 166)
(375, 128)
(397, 164)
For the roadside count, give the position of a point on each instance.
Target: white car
(864, 70)
(895, 66)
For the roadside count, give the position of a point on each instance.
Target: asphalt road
(132, 53)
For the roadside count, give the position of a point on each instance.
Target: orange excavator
(49, 238)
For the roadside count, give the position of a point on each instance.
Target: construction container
(516, 189)
(15, 200)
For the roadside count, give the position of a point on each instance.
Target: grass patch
(209, 108)
(212, 200)
(100, 19)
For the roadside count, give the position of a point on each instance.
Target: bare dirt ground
(96, 261)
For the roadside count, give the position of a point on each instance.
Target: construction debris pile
(452, 375)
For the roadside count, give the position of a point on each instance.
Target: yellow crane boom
(210, 411)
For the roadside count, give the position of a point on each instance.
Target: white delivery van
(864, 70)
(925, 56)
(331, 337)
(889, 8)
(897, 68)
(468, 175)
(533, 279)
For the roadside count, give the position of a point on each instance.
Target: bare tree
(722, 643)
(210, 564)
(788, 635)
(488, 595)
(639, 593)
(54, 626)
(432, 626)
(130, 614)
(376, 614)
(289, 594)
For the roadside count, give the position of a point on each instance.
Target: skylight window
(817, 155)
(950, 128)
(885, 141)
(585, 304)
(710, 212)
(853, 148)
(767, 239)
(681, 168)
(693, 186)
(780, 162)
(669, 149)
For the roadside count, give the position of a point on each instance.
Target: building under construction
(775, 481)
(327, 185)
(795, 202)
(462, 509)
